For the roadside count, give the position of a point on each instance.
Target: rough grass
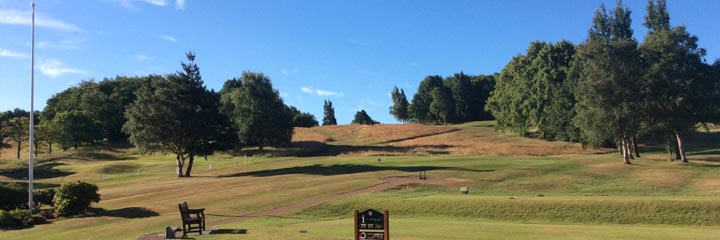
(470, 139)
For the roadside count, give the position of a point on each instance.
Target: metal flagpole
(32, 113)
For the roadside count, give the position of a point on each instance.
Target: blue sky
(349, 52)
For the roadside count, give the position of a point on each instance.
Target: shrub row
(70, 199)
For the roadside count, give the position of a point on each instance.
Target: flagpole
(32, 113)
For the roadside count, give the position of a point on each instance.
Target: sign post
(371, 224)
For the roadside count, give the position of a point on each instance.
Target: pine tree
(329, 112)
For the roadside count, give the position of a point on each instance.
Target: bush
(73, 198)
(8, 220)
(44, 196)
(15, 218)
(12, 196)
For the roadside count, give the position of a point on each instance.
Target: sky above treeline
(349, 52)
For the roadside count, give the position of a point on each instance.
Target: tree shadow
(341, 169)
(41, 171)
(90, 156)
(128, 212)
(422, 136)
(229, 231)
(315, 149)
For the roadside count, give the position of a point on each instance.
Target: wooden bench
(193, 220)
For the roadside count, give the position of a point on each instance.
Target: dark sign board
(374, 225)
(371, 220)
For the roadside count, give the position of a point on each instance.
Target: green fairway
(571, 196)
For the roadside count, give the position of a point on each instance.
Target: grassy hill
(520, 188)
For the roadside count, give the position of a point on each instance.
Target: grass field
(523, 189)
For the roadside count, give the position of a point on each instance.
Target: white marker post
(32, 113)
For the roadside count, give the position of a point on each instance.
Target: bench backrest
(184, 213)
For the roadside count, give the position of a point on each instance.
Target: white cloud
(321, 92)
(306, 89)
(288, 72)
(54, 68)
(143, 57)
(168, 38)
(15, 17)
(180, 4)
(67, 44)
(12, 54)
(160, 3)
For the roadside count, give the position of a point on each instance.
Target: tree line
(172, 113)
(455, 99)
(610, 90)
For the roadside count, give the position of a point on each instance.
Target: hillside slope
(475, 138)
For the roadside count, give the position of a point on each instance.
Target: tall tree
(329, 112)
(420, 104)
(175, 113)
(674, 93)
(441, 104)
(399, 109)
(482, 86)
(257, 112)
(16, 129)
(460, 89)
(608, 91)
(533, 91)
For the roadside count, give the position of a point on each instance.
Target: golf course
(519, 188)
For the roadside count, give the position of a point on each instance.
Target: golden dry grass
(418, 139)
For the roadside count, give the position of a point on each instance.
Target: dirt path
(387, 184)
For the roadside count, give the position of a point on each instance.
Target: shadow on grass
(422, 136)
(341, 169)
(41, 171)
(128, 212)
(229, 231)
(316, 149)
(90, 156)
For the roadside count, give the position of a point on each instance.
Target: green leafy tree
(177, 114)
(400, 105)
(420, 104)
(257, 111)
(608, 91)
(441, 104)
(74, 127)
(482, 86)
(460, 88)
(301, 119)
(16, 130)
(674, 92)
(329, 112)
(362, 118)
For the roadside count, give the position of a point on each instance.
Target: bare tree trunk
(36, 149)
(677, 150)
(49, 147)
(635, 147)
(18, 149)
(180, 160)
(626, 150)
(669, 148)
(681, 151)
(189, 166)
